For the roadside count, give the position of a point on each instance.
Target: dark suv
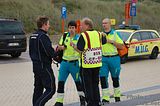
(12, 37)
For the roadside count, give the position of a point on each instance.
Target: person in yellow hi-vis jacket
(69, 64)
(89, 44)
(110, 61)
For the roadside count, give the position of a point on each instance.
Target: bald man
(110, 61)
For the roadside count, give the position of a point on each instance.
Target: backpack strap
(64, 37)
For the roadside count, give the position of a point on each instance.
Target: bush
(147, 12)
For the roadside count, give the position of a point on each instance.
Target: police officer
(69, 64)
(110, 61)
(90, 46)
(41, 54)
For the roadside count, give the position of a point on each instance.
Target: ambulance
(139, 42)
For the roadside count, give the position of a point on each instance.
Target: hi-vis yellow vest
(70, 53)
(92, 54)
(109, 49)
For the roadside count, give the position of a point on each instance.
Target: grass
(148, 13)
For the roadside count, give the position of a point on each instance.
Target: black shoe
(105, 102)
(82, 101)
(117, 99)
(58, 104)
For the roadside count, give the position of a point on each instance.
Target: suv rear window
(11, 27)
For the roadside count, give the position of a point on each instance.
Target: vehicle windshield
(124, 35)
(11, 27)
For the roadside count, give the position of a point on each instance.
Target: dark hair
(41, 21)
(72, 23)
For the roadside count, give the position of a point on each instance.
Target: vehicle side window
(136, 36)
(145, 35)
(154, 35)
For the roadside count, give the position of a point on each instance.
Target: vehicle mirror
(134, 40)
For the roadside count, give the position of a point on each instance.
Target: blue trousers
(110, 65)
(67, 68)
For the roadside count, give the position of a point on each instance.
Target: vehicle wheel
(154, 53)
(16, 54)
(124, 59)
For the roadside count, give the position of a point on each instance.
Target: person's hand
(110, 41)
(72, 44)
(60, 47)
(103, 34)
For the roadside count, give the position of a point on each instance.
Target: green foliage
(148, 13)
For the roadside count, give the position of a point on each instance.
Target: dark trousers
(43, 80)
(81, 77)
(90, 77)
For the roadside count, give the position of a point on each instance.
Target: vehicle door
(146, 44)
(134, 45)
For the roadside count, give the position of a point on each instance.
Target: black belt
(111, 55)
(70, 61)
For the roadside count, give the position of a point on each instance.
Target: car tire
(124, 59)
(16, 54)
(154, 53)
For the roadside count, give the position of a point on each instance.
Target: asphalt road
(140, 83)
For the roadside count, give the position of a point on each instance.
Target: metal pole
(63, 24)
(132, 20)
(63, 21)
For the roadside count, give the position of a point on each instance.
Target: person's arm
(75, 47)
(47, 46)
(80, 44)
(104, 40)
(115, 43)
(118, 42)
(61, 45)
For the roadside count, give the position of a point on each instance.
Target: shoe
(117, 94)
(58, 104)
(105, 96)
(82, 101)
(105, 102)
(117, 99)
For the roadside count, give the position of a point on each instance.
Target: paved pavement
(140, 83)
